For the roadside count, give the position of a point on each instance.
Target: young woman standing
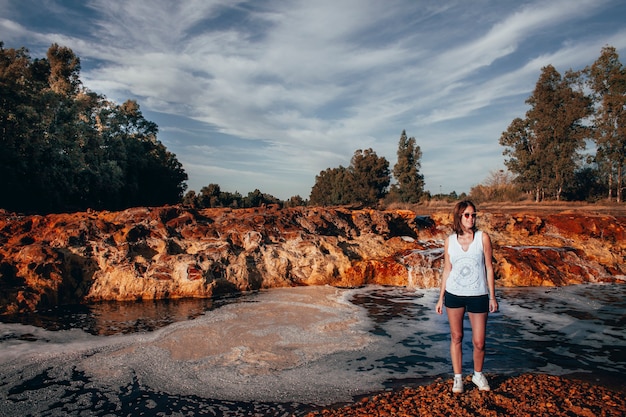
(467, 284)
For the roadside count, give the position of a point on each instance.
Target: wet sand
(524, 395)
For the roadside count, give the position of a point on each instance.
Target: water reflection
(121, 317)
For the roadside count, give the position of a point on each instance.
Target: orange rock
(173, 252)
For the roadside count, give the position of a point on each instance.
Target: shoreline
(527, 394)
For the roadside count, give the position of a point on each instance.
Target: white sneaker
(457, 387)
(481, 382)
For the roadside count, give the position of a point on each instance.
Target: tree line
(365, 182)
(567, 113)
(544, 151)
(66, 148)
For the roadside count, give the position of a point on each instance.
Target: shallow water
(286, 351)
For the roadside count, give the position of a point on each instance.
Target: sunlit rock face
(173, 252)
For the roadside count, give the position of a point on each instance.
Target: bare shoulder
(486, 237)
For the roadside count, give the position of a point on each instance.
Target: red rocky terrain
(526, 395)
(174, 252)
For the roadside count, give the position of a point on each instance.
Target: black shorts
(472, 304)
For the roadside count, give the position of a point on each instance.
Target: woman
(467, 284)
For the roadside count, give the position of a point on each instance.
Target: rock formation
(174, 252)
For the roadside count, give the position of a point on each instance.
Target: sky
(266, 94)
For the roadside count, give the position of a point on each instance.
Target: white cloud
(299, 86)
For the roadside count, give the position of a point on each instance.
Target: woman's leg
(455, 318)
(479, 328)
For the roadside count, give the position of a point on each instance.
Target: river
(285, 352)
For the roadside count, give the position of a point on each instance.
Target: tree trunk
(619, 183)
(537, 195)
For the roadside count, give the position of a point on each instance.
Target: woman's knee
(479, 344)
(456, 338)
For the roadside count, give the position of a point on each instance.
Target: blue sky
(266, 94)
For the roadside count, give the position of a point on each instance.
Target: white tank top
(468, 276)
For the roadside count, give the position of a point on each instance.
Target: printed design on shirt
(467, 273)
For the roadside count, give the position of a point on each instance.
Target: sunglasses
(467, 215)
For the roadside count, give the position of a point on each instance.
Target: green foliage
(406, 171)
(587, 186)
(211, 196)
(257, 199)
(370, 177)
(295, 201)
(607, 80)
(364, 182)
(544, 147)
(65, 148)
(332, 187)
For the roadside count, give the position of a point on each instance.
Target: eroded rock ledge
(174, 252)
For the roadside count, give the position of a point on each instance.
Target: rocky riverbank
(525, 395)
(175, 252)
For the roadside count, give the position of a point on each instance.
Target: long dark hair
(459, 208)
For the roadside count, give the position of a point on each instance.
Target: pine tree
(406, 171)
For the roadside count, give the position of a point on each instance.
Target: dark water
(578, 331)
(111, 318)
(108, 359)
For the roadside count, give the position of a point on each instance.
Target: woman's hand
(493, 305)
(439, 306)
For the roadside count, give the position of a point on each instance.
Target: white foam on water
(283, 345)
(270, 349)
(312, 345)
(24, 343)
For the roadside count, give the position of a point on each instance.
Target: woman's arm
(491, 282)
(447, 267)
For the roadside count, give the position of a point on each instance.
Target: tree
(607, 80)
(364, 182)
(331, 187)
(152, 175)
(544, 147)
(587, 185)
(524, 152)
(370, 177)
(64, 76)
(190, 199)
(210, 196)
(18, 117)
(295, 201)
(406, 171)
(63, 147)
